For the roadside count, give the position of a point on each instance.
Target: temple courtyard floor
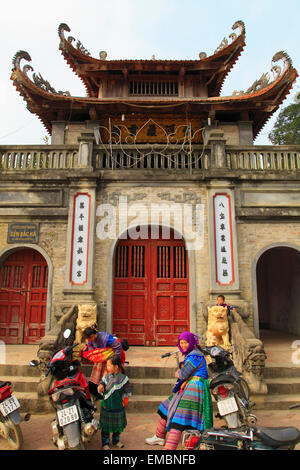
(37, 432)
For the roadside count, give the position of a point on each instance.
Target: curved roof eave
(278, 89)
(79, 55)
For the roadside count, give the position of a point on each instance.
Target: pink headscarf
(190, 338)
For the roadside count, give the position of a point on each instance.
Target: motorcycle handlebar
(169, 354)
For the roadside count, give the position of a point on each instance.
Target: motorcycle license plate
(9, 405)
(67, 415)
(227, 406)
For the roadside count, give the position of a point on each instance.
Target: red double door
(150, 291)
(23, 297)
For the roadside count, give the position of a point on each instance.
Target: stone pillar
(246, 132)
(80, 249)
(218, 154)
(223, 241)
(58, 133)
(85, 154)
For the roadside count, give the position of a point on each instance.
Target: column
(79, 273)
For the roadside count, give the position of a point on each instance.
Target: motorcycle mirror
(34, 363)
(67, 333)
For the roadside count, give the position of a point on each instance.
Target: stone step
(150, 372)
(273, 372)
(283, 385)
(30, 402)
(162, 387)
(275, 402)
(139, 386)
(21, 383)
(142, 371)
(14, 370)
(149, 403)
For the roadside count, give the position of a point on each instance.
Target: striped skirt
(189, 412)
(112, 420)
(97, 372)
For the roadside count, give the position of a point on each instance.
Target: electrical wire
(17, 130)
(141, 157)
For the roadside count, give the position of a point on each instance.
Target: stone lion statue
(218, 327)
(87, 316)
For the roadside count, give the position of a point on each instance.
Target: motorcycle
(74, 424)
(229, 389)
(246, 438)
(10, 417)
(231, 392)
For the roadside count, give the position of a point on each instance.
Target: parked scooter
(74, 424)
(231, 392)
(229, 389)
(10, 417)
(245, 438)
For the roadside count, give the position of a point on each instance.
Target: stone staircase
(151, 385)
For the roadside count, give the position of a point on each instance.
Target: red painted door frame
(150, 291)
(23, 297)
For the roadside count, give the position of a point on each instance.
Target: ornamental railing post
(85, 154)
(217, 143)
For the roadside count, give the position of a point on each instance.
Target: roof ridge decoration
(37, 80)
(64, 27)
(233, 36)
(264, 81)
(103, 54)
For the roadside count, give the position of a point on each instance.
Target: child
(115, 388)
(221, 302)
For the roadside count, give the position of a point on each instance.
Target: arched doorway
(278, 280)
(23, 297)
(151, 290)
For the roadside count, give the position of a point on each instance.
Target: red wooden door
(23, 297)
(150, 294)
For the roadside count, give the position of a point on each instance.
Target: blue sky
(137, 29)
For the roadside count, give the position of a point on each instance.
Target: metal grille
(137, 261)
(5, 280)
(36, 277)
(163, 261)
(179, 262)
(18, 277)
(121, 267)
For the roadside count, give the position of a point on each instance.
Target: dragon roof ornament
(233, 36)
(64, 27)
(38, 80)
(265, 80)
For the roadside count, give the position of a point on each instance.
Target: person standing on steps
(190, 406)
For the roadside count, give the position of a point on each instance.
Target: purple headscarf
(190, 338)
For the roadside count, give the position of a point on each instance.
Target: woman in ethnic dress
(190, 406)
(96, 340)
(116, 390)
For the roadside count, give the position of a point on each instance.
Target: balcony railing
(146, 157)
(38, 157)
(150, 158)
(263, 158)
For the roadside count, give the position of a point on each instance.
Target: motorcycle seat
(276, 437)
(2, 384)
(221, 380)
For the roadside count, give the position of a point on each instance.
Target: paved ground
(37, 433)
